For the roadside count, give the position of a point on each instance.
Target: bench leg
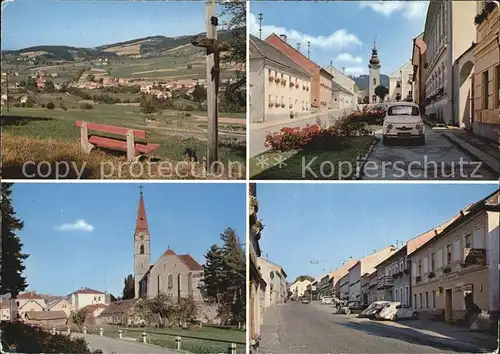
(130, 146)
(84, 139)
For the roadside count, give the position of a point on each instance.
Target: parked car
(305, 301)
(394, 311)
(373, 310)
(327, 301)
(353, 307)
(403, 121)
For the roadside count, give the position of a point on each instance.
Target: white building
(85, 296)
(299, 287)
(344, 287)
(400, 83)
(344, 89)
(275, 277)
(363, 266)
(449, 32)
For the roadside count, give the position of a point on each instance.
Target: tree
(381, 91)
(213, 273)
(49, 86)
(304, 277)
(12, 267)
(128, 288)
(51, 105)
(79, 316)
(236, 12)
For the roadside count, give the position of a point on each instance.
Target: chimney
(298, 46)
(283, 37)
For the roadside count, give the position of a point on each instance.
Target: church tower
(374, 67)
(142, 241)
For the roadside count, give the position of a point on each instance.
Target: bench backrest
(111, 129)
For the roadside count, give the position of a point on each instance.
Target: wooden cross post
(212, 87)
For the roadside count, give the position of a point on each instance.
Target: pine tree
(12, 267)
(213, 273)
(129, 287)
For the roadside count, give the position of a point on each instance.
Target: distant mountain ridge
(144, 47)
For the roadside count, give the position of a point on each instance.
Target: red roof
(29, 295)
(190, 262)
(142, 221)
(169, 252)
(87, 291)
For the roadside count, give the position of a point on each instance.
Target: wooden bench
(133, 149)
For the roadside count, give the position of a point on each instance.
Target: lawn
(209, 340)
(309, 164)
(32, 133)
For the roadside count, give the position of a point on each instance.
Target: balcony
(385, 282)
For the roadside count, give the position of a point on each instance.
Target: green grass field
(209, 340)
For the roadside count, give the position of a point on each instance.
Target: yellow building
(441, 278)
(487, 71)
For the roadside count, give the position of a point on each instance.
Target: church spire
(142, 221)
(374, 60)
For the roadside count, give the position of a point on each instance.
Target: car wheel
(394, 318)
(415, 314)
(347, 311)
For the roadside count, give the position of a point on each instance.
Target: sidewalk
(444, 331)
(478, 147)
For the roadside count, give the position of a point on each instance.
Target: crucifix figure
(141, 188)
(374, 43)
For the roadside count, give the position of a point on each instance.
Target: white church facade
(177, 276)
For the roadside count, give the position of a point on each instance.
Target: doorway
(448, 305)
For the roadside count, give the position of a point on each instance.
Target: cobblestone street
(299, 328)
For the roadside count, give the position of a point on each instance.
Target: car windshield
(403, 111)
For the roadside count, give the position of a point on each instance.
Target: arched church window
(170, 281)
(374, 81)
(141, 249)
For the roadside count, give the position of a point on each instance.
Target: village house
(60, 305)
(47, 319)
(275, 277)
(257, 284)
(343, 293)
(363, 266)
(393, 275)
(122, 312)
(30, 301)
(369, 284)
(321, 90)
(299, 288)
(449, 32)
(86, 296)
(325, 286)
(458, 267)
(400, 83)
(341, 272)
(279, 87)
(345, 94)
(486, 83)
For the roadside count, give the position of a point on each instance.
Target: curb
(490, 162)
(360, 168)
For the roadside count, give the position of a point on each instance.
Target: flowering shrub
(314, 136)
(369, 116)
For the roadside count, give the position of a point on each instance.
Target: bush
(43, 105)
(27, 339)
(86, 106)
(51, 105)
(63, 106)
(189, 108)
(29, 104)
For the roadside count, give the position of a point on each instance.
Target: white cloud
(410, 9)
(79, 225)
(337, 39)
(355, 70)
(348, 58)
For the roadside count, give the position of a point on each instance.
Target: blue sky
(328, 223)
(90, 23)
(343, 31)
(98, 252)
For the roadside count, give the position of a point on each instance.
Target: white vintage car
(327, 300)
(394, 311)
(403, 121)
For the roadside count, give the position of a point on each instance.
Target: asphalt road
(438, 159)
(112, 346)
(313, 328)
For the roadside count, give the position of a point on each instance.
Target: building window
(420, 299)
(419, 268)
(270, 73)
(448, 254)
(486, 91)
(456, 250)
(433, 299)
(467, 242)
(141, 249)
(478, 238)
(374, 81)
(282, 99)
(270, 98)
(427, 299)
(170, 281)
(415, 300)
(497, 90)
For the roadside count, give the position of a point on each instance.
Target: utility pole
(260, 16)
(212, 85)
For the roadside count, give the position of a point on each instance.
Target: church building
(374, 67)
(176, 275)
